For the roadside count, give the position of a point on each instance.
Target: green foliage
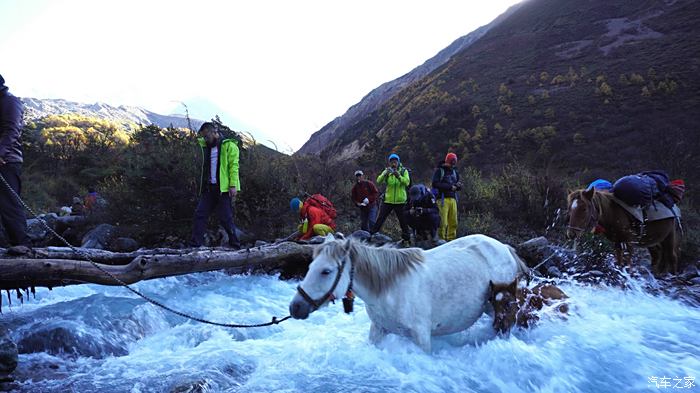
(476, 111)
(559, 79)
(157, 190)
(636, 79)
(604, 89)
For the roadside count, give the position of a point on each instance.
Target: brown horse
(591, 209)
(513, 305)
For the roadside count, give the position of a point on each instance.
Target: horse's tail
(523, 269)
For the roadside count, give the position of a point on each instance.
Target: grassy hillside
(586, 89)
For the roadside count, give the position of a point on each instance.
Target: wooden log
(100, 256)
(26, 272)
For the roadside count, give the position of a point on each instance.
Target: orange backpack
(321, 202)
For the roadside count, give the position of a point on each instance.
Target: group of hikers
(423, 212)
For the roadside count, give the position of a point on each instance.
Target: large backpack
(321, 202)
(635, 190)
(643, 188)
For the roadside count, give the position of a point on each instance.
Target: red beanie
(451, 158)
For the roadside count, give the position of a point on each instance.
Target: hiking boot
(19, 250)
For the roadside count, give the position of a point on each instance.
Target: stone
(99, 237)
(380, 239)
(361, 235)
(8, 353)
(124, 244)
(37, 231)
(552, 271)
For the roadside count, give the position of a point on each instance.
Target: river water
(92, 338)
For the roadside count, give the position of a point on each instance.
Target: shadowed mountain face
(592, 88)
(336, 128)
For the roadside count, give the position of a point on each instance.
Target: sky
(280, 70)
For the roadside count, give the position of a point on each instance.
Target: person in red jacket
(314, 220)
(364, 196)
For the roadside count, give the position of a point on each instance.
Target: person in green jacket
(219, 184)
(396, 178)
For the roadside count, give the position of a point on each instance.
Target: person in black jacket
(11, 210)
(421, 213)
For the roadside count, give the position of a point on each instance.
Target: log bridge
(60, 266)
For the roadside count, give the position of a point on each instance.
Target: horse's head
(503, 298)
(582, 213)
(328, 278)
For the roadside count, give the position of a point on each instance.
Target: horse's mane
(378, 267)
(601, 199)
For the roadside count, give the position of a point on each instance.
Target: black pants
(11, 210)
(424, 223)
(384, 212)
(213, 198)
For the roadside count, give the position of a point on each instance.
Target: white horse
(410, 292)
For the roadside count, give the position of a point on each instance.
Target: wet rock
(124, 244)
(547, 259)
(192, 387)
(552, 271)
(37, 231)
(99, 237)
(260, 243)
(8, 353)
(219, 237)
(695, 281)
(361, 235)
(66, 338)
(380, 239)
(317, 240)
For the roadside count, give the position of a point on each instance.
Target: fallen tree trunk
(27, 273)
(97, 255)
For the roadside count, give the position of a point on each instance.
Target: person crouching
(422, 213)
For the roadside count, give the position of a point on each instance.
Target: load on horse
(639, 210)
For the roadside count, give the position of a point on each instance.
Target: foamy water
(613, 341)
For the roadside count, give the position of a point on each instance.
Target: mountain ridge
(128, 116)
(320, 139)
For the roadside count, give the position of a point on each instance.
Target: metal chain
(274, 320)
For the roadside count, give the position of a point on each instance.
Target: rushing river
(91, 338)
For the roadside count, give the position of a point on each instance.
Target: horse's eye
(326, 272)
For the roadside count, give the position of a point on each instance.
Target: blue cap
(294, 204)
(394, 156)
(601, 184)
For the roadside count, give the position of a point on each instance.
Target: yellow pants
(448, 218)
(322, 230)
(319, 229)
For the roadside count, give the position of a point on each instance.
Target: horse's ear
(513, 287)
(588, 194)
(346, 245)
(490, 289)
